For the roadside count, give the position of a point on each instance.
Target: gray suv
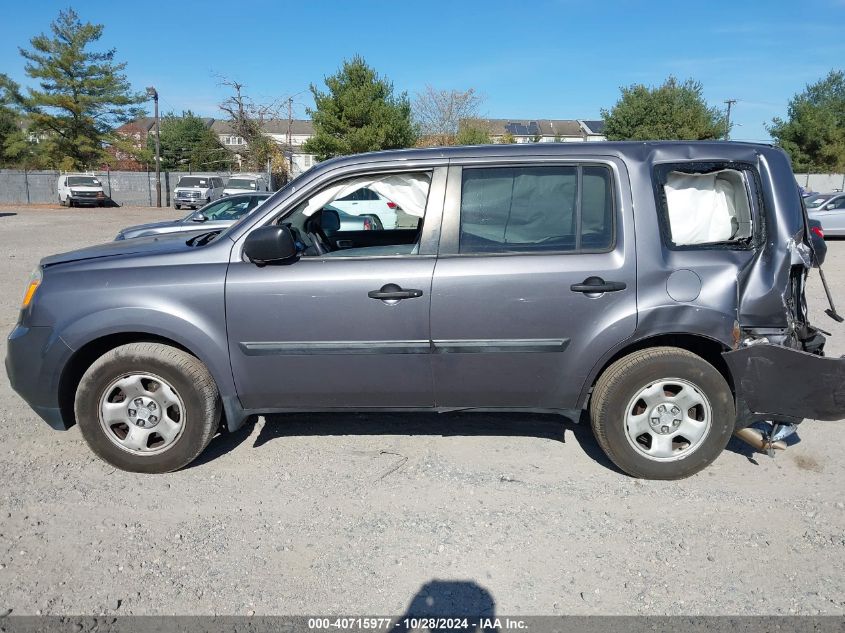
(654, 288)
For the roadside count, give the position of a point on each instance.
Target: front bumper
(34, 360)
(782, 384)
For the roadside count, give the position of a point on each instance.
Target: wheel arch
(707, 348)
(88, 352)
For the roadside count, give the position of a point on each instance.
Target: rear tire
(662, 413)
(177, 206)
(147, 407)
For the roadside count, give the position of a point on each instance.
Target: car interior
(317, 226)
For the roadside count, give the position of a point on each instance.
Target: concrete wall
(822, 183)
(124, 188)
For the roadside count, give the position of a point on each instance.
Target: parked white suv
(80, 189)
(197, 191)
(245, 183)
(366, 202)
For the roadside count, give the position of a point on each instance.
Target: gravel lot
(363, 514)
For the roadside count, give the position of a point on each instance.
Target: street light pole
(152, 92)
(730, 103)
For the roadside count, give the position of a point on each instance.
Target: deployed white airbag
(408, 190)
(707, 208)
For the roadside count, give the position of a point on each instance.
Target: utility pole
(152, 92)
(730, 103)
(289, 139)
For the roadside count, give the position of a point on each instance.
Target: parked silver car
(220, 214)
(829, 209)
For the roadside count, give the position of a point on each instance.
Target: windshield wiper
(203, 238)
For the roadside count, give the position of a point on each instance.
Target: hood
(86, 187)
(153, 245)
(154, 225)
(180, 226)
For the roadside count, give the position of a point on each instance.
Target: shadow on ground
(461, 424)
(439, 600)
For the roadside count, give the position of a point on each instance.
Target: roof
(528, 127)
(635, 150)
(271, 126)
(146, 123)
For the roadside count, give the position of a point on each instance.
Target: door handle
(597, 285)
(393, 292)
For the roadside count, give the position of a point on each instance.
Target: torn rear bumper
(779, 383)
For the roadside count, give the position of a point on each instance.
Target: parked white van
(80, 189)
(245, 183)
(197, 191)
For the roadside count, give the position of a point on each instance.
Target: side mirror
(829, 206)
(199, 217)
(270, 244)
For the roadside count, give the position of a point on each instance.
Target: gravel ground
(364, 514)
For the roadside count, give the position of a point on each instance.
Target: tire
(177, 206)
(675, 442)
(69, 202)
(148, 374)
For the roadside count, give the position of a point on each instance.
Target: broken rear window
(711, 206)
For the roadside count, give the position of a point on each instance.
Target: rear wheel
(662, 413)
(177, 206)
(147, 407)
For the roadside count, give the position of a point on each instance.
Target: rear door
(535, 281)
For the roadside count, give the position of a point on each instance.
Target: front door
(535, 281)
(337, 329)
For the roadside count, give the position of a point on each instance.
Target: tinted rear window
(519, 209)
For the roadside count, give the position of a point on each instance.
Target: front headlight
(34, 282)
(73, 192)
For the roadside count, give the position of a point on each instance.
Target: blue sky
(546, 59)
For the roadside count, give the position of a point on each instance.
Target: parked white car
(197, 191)
(80, 189)
(245, 183)
(365, 201)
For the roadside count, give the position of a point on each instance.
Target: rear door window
(535, 209)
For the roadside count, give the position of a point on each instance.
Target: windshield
(193, 181)
(814, 202)
(240, 183)
(227, 209)
(83, 181)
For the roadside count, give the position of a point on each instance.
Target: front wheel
(662, 413)
(147, 407)
(177, 206)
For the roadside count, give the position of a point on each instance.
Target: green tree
(358, 113)
(814, 132)
(507, 139)
(187, 142)
(673, 111)
(9, 116)
(469, 134)
(81, 95)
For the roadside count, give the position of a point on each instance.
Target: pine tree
(359, 113)
(81, 94)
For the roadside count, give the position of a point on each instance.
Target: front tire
(177, 206)
(147, 407)
(662, 413)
